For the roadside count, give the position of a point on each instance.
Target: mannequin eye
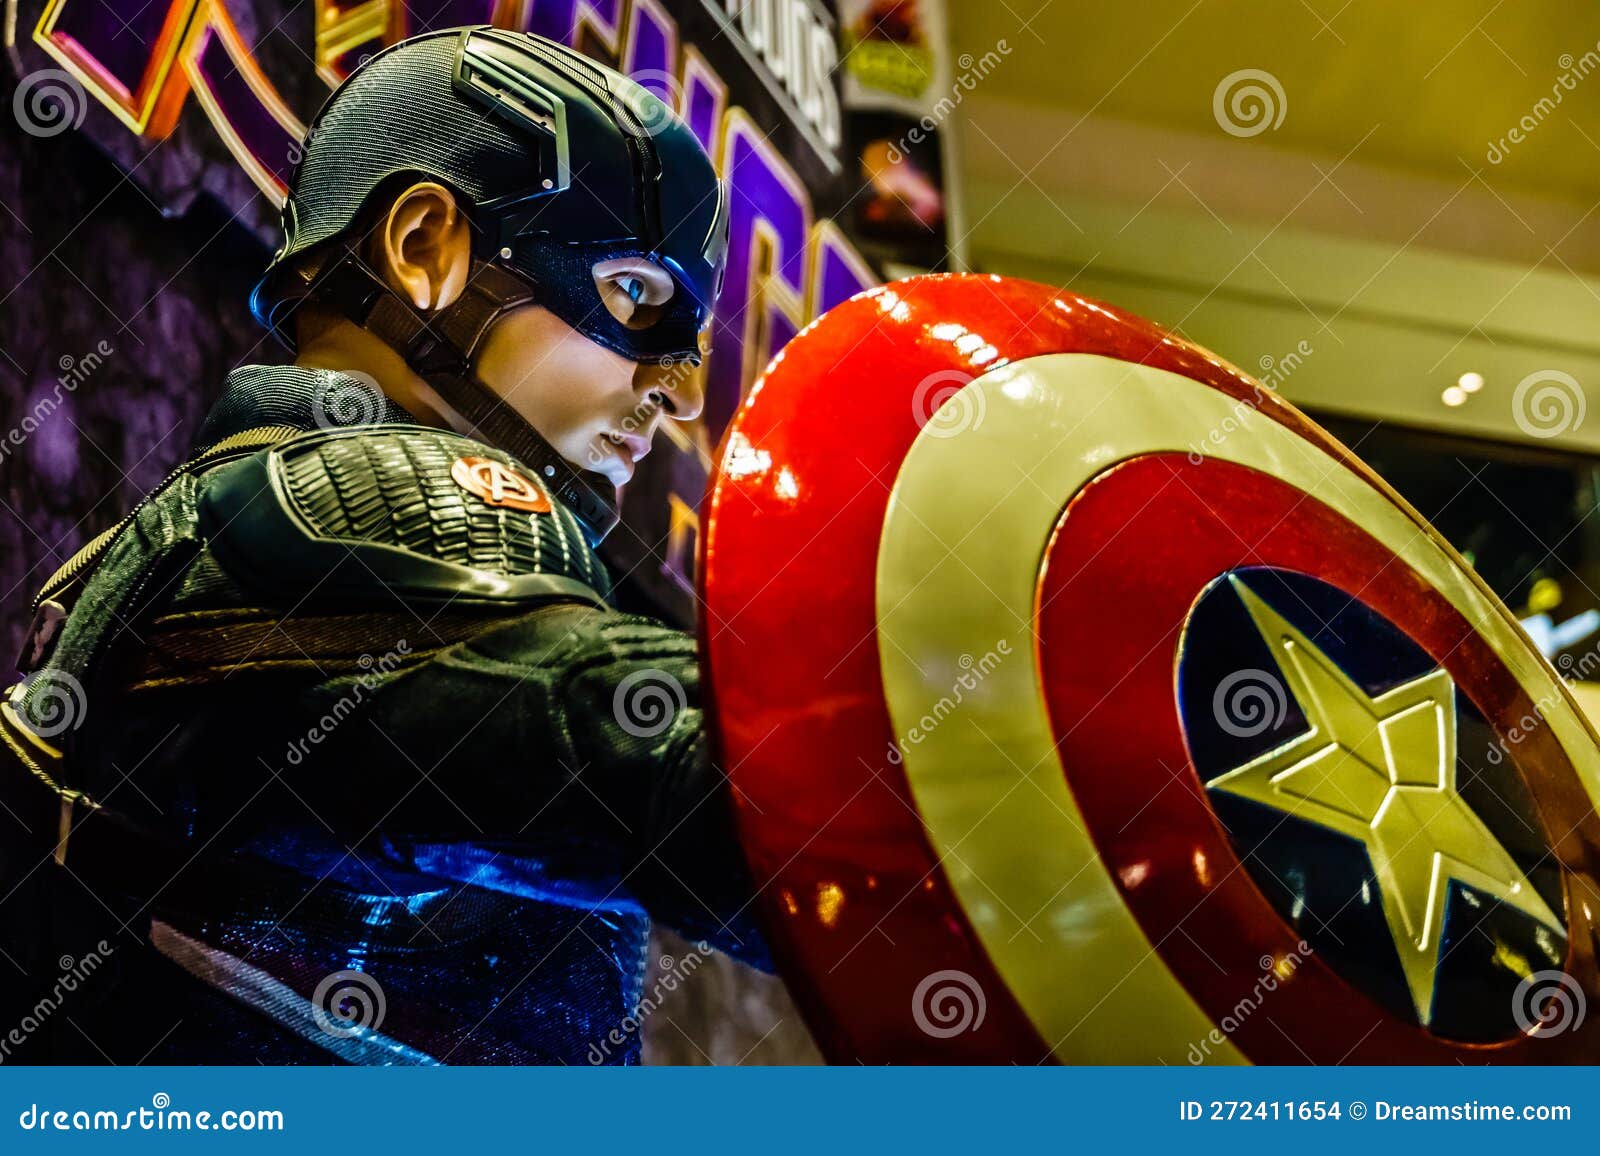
(634, 290)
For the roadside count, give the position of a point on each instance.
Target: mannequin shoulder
(421, 514)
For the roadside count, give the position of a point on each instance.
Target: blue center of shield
(1370, 802)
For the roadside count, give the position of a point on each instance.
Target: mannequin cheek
(566, 386)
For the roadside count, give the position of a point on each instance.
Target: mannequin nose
(682, 385)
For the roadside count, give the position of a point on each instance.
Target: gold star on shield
(1383, 771)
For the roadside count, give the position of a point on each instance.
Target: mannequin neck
(329, 341)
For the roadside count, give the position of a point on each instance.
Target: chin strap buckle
(444, 341)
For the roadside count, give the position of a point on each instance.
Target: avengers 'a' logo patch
(1360, 790)
(499, 485)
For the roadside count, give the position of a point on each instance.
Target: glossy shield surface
(1084, 701)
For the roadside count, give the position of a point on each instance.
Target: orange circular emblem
(499, 485)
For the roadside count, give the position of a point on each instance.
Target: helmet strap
(442, 346)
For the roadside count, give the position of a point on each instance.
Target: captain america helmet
(559, 162)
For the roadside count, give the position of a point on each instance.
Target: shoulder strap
(56, 597)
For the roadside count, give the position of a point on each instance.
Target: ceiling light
(1470, 382)
(1453, 395)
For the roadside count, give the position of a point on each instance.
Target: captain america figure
(335, 748)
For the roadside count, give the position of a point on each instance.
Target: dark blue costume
(334, 749)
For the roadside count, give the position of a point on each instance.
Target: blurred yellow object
(1545, 596)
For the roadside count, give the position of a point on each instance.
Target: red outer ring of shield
(1129, 769)
(790, 651)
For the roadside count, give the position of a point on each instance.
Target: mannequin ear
(423, 246)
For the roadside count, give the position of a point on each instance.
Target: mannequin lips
(620, 457)
(636, 445)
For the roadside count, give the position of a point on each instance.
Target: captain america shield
(1084, 701)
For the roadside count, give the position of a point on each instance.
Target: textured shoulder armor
(426, 515)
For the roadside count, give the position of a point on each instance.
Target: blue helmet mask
(619, 176)
(560, 164)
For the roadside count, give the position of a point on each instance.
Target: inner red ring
(1148, 536)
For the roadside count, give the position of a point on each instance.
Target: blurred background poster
(898, 90)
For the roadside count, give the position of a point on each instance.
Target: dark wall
(117, 326)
